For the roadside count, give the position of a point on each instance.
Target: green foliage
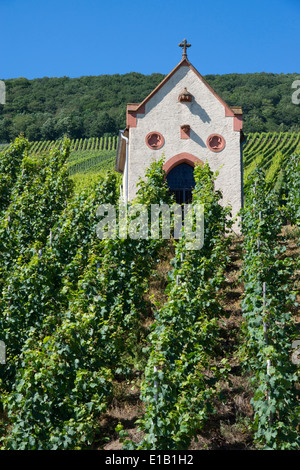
(39, 195)
(153, 189)
(269, 327)
(93, 157)
(88, 161)
(271, 152)
(292, 189)
(72, 308)
(180, 375)
(9, 168)
(70, 314)
(51, 108)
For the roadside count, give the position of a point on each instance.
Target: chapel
(187, 122)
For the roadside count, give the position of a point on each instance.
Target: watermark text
(159, 221)
(2, 92)
(296, 94)
(2, 353)
(296, 353)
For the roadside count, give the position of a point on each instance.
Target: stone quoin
(187, 122)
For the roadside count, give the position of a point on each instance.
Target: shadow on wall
(197, 110)
(196, 138)
(164, 91)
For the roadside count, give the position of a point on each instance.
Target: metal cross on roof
(184, 45)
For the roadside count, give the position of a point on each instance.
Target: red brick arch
(181, 158)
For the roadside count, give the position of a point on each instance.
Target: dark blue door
(181, 182)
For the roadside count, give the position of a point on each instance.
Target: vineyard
(97, 155)
(268, 144)
(142, 343)
(76, 145)
(270, 151)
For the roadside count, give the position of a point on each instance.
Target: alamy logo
(296, 94)
(2, 353)
(2, 92)
(139, 222)
(296, 353)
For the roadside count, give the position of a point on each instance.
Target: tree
(102, 125)
(48, 129)
(5, 125)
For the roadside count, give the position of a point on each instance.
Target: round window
(215, 142)
(154, 140)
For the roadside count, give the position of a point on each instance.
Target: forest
(94, 106)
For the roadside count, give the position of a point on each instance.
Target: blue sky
(93, 37)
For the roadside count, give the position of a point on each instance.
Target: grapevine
(178, 385)
(269, 326)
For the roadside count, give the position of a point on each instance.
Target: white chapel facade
(185, 120)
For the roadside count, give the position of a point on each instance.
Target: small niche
(185, 131)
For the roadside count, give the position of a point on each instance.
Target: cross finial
(184, 45)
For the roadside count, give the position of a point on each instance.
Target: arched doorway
(181, 182)
(180, 176)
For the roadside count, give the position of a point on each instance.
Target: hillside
(48, 108)
(93, 156)
(99, 332)
(230, 427)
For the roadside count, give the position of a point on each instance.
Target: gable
(184, 121)
(135, 109)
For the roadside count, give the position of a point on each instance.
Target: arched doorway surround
(179, 174)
